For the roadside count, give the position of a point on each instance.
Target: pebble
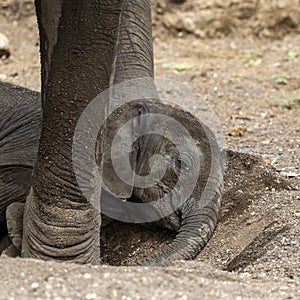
(297, 214)
(289, 174)
(276, 65)
(4, 46)
(91, 296)
(34, 285)
(3, 77)
(87, 276)
(233, 45)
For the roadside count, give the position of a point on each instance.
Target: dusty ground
(249, 73)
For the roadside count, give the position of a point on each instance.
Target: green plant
(254, 62)
(177, 66)
(291, 55)
(288, 101)
(280, 79)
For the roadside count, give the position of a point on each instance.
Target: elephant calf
(194, 220)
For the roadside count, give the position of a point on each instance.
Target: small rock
(289, 174)
(34, 285)
(233, 45)
(2, 76)
(276, 65)
(91, 296)
(87, 276)
(4, 46)
(189, 25)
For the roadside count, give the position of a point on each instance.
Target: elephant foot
(11, 243)
(11, 251)
(63, 231)
(14, 218)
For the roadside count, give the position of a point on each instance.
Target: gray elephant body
(20, 128)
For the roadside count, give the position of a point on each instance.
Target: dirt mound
(214, 18)
(253, 219)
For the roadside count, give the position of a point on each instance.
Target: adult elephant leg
(134, 56)
(78, 44)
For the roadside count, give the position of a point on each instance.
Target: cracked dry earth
(254, 253)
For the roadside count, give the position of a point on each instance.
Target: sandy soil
(246, 64)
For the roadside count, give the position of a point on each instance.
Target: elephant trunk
(197, 226)
(57, 232)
